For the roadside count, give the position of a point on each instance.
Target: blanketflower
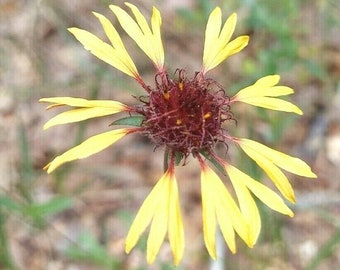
(185, 116)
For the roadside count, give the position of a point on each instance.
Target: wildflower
(185, 116)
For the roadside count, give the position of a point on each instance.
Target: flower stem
(166, 159)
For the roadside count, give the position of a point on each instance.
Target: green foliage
(169, 266)
(6, 261)
(326, 250)
(134, 120)
(38, 211)
(88, 250)
(26, 170)
(331, 245)
(199, 15)
(276, 35)
(23, 204)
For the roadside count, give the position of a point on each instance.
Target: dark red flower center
(185, 115)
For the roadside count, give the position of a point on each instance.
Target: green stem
(166, 159)
(5, 256)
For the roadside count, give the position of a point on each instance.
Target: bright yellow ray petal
(145, 213)
(268, 81)
(215, 40)
(175, 227)
(228, 29)
(116, 41)
(208, 212)
(266, 195)
(262, 91)
(140, 32)
(231, 48)
(105, 52)
(273, 172)
(247, 204)
(152, 39)
(277, 91)
(77, 115)
(284, 161)
(156, 22)
(226, 227)
(129, 25)
(91, 109)
(111, 32)
(228, 210)
(262, 94)
(87, 148)
(264, 87)
(216, 46)
(141, 21)
(211, 35)
(272, 104)
(81, 102)
(234, 46)
(159, 224)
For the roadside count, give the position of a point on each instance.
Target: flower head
(185, 116)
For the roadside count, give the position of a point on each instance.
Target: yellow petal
(229, 49)
(247, 203)
(152, 45)
(208, 212)
(273, 91)
(264, 87)
(87, 148)
(262, 92)
(228, 211)
(81, 102)
(106, 52)
(128, 24)
(277, 91)
(235, 46)
(140, 19)
(273, 104)
(228, 28)
(212, 33)
(284, 161)
(149, 41)
(266, 195)
(274, 173)
(111, 32)
(268, 81)
(91, 109)
(146, 213)
(175, 227)
(226, 227)
(217, 47)
(156, 22)
(77, 115)
(159, 224)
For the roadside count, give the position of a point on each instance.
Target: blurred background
(78, 216)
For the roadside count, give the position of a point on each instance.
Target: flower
(185, 116)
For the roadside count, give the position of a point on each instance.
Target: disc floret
(183, 114)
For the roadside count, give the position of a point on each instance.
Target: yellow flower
(185, 116)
